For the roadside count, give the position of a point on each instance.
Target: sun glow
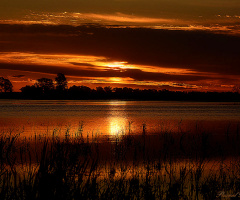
(117, 118)
(117, 65)
(96, 71)
(116, 126)
(116, 80)
(84, 62)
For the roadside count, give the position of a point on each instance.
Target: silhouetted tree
(108, 91)
(31, 91)
(100, 92)
(118, 90)
(80, 92)
(5, 85)
(85, 90)
(127, 92)
(61, 82)
(45, 84)
(236, 89)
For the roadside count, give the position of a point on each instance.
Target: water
(115, 117)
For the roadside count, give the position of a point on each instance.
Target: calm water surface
(115, 117)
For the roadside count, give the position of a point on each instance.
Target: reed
(166, 165)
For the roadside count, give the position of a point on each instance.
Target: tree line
(46, 88)
(5, 85)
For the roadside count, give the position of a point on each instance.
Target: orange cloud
(120, 17)
(120, 56)
(227, 24)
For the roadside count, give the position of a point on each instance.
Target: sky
(159, 44)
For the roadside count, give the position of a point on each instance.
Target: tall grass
(167, 165)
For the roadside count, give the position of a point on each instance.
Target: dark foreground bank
(161, 166)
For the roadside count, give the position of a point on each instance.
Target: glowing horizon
(82, 63)
(146, 44)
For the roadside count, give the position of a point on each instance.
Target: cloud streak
(141, 54)
(195, 50)
(135, 74)
(216, 23)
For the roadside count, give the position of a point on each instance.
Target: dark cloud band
(198, 51)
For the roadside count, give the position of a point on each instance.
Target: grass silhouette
(166, 165)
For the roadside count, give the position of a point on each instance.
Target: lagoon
(116, 117)
(165, 148)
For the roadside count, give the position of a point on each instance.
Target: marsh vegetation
(167, 165)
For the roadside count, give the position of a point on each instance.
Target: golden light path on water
(117, 119)
(114, 119)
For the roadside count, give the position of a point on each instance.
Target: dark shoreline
(160, 96)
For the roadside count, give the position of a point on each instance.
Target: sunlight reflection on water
(114, 117)
(117, 118)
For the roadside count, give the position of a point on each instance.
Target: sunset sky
(160, 44)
